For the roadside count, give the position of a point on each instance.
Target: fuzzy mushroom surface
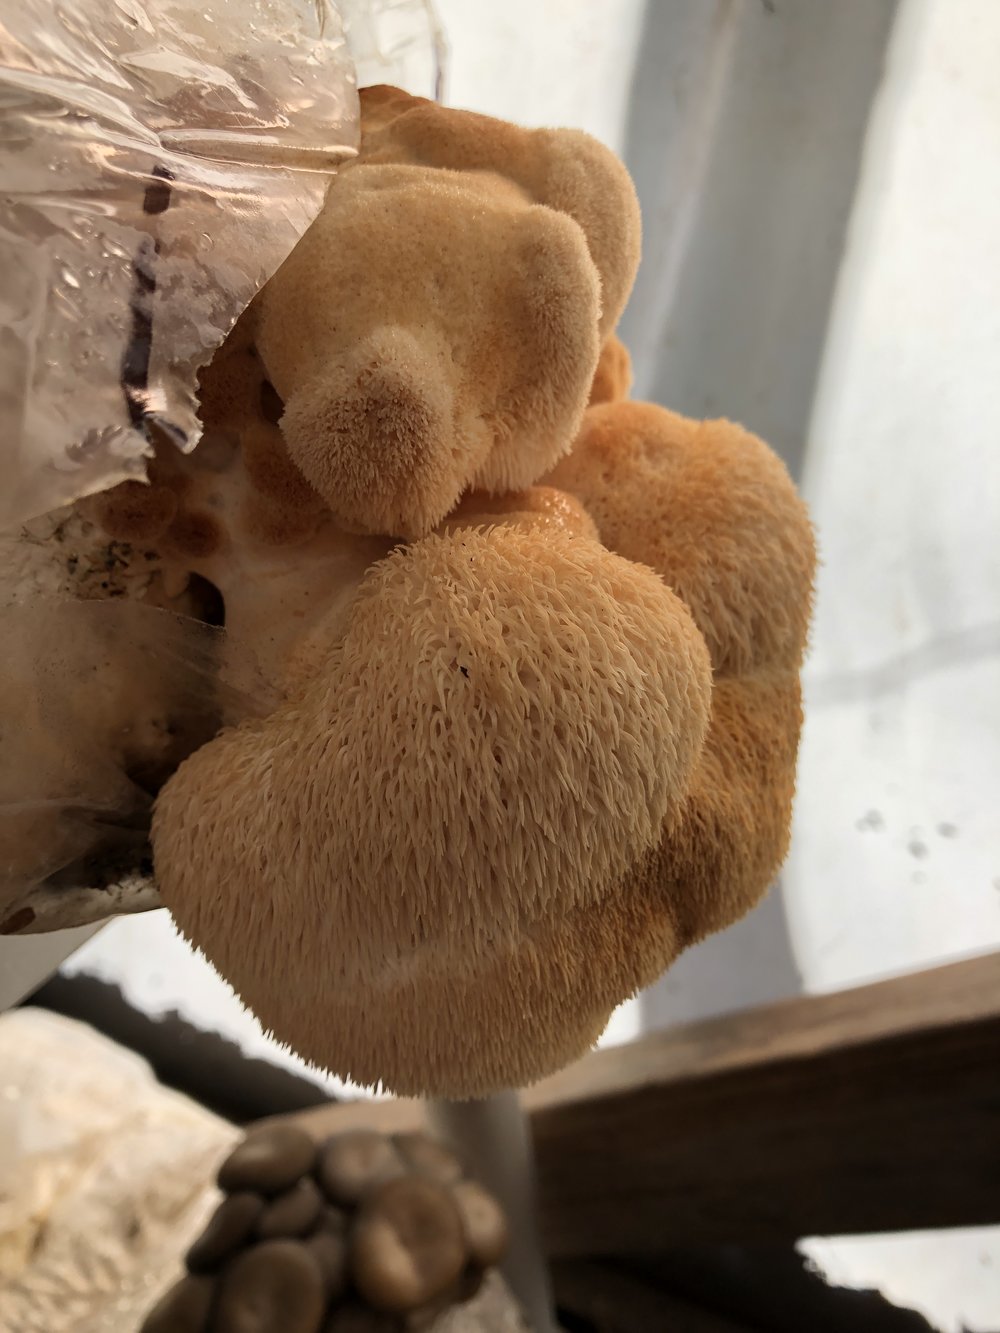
(502, 729)
(413, 361)
(531, 650)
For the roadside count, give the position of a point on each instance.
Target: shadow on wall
(746, 125)
(744, 136)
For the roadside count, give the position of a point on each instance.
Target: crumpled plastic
(157, 163)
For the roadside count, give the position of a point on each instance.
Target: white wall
(895, 862)
(544, 62)
(896, 857)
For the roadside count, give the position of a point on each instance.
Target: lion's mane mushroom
(434, 823)
(495, 280)
(613, 376)
(440, 322)
(517, 765)
(565, 170)
(712, 509)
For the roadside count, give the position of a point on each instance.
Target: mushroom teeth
(411, 870)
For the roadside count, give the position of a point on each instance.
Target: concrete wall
(896, 858)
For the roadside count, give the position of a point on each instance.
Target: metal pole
(494, 1139)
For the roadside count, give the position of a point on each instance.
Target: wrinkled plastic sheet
(157, 163)
(156, 166)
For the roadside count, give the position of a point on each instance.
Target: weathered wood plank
(618, 1302)
(802, 1026)
(871, 1109)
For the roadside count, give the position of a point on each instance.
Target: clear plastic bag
(157, 163)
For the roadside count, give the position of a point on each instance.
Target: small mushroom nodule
(274, 1287)
(427, 1157)
(227, 1228)
(330, 1252)
(269, 1160)
(483, 1221)
(185, 1308)
(292, 1213)
(353, 1163)
(408, 1244)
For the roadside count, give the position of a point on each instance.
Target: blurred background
(820, 186)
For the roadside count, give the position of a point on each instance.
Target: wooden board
(872, 1109)
(617, 1302)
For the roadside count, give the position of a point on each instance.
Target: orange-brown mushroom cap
(408, 870)
(431, 330)
(566, 170)
(440, 323)
(712, 509)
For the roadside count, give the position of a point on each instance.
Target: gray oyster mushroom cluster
(360, 1234)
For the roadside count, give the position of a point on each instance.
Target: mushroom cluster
(534, 648)
(360, 1234)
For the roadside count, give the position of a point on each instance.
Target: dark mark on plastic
(134, 375)
(17, 921)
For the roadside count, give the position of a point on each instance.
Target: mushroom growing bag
(157, 163)
(101, 700)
